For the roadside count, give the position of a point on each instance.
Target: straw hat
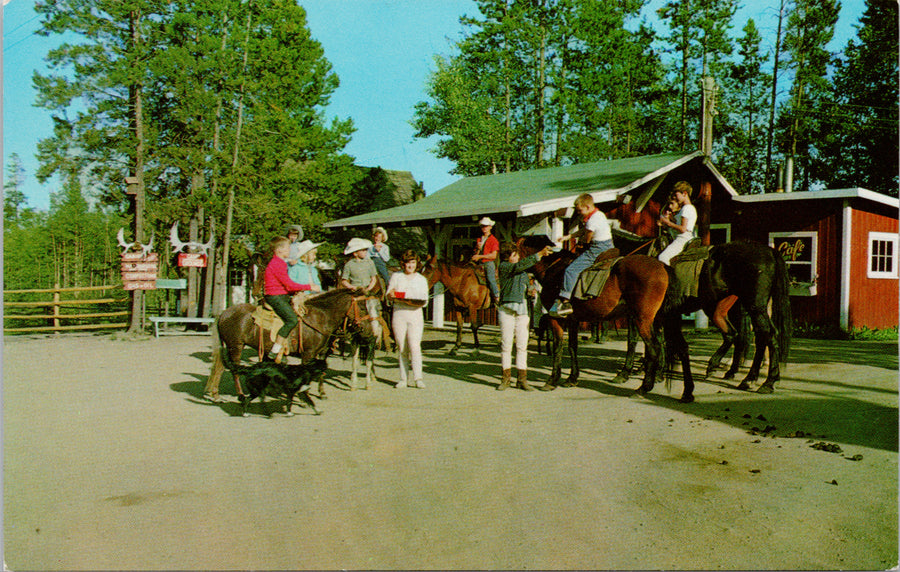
(382, 230)
(486, 221)
(357, 244)
(306, 246)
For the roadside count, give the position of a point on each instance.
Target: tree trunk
(771, 134)
(135, 91)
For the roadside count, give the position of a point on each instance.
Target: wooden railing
(61, 321)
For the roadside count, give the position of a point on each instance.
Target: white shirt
(599, 225)
(414, 286)
(686, 217)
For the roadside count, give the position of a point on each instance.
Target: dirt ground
(113, 461)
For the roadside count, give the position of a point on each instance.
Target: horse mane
(329, 297)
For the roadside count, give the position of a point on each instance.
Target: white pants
(408, 328)
(674, 249)
(513, 326)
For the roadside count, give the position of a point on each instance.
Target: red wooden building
(841, 247)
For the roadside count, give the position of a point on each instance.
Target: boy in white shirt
(597, 235)
(681, 222)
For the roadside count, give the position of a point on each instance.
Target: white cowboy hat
(382, 230)
(306, 246)
(486, 221)
(357, 244)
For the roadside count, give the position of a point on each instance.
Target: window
(799, 252)
(882, 255)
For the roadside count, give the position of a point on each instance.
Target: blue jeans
(490, 273)
(584, 260)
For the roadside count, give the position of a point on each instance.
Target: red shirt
(277, 280)
(491, 245)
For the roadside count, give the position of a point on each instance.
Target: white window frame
(802, 289)
(887, 237)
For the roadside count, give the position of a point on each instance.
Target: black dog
(268, 377)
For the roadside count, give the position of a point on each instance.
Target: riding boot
(504, 381)
(285, 349)
(522, 381)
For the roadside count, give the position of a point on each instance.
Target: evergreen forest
(215, 111)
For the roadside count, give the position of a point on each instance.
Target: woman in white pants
(513, 313)
(408, 291)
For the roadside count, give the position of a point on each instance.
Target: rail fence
(33, 314)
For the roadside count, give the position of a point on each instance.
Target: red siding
(873, 301)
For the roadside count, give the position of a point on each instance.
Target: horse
(636, 289)
(468, 294)
(737, 281)
(325, 314)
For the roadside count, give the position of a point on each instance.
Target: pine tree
(858, 141)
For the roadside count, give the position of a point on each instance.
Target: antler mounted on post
(133, 246)
(178, 246)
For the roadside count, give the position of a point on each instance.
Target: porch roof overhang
(529, 193)
(851, 193)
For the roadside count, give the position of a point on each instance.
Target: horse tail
(781, 306)
(217, 368)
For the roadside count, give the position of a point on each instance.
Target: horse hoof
(686, 399)
(547, 387)
(620, 378)
(744, 386)
(289, 414)
(246, 415)
(765, 389)
(728, 375)
(212, 398)
(317, 411)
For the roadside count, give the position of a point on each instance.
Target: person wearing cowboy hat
(486, 248)
(360, 272)
(304, 270)
(294, 232)
(380, 253)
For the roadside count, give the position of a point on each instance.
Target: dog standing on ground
(269, 378)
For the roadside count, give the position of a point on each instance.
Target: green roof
(525, 192)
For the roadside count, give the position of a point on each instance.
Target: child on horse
(513, 312)
(680, 219)
(596, 236)
(360, 272)
(380, 253)
(486, 248)
(278, 290)
(304, 271)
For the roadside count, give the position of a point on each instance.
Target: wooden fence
(63, 312)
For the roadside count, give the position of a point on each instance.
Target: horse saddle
(591, 281)
(481, 273)
(266, 318)
(687, 266)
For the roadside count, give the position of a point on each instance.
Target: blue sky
(382, 51)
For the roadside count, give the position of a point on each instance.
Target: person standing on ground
(408, 290)
(513, 313)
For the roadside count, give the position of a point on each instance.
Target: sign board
(139, 285)
(139, 270)
(194, 260)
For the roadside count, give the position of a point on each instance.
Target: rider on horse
(278, 290)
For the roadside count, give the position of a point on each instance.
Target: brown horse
(468, 294)
(325, 314)
(636, 289)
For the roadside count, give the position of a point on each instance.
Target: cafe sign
(799, 252)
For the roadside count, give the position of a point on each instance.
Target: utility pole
(704, 195)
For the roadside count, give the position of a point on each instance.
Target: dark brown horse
(325, 314)
(739, 279)
(636, 289)
(467, 293)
